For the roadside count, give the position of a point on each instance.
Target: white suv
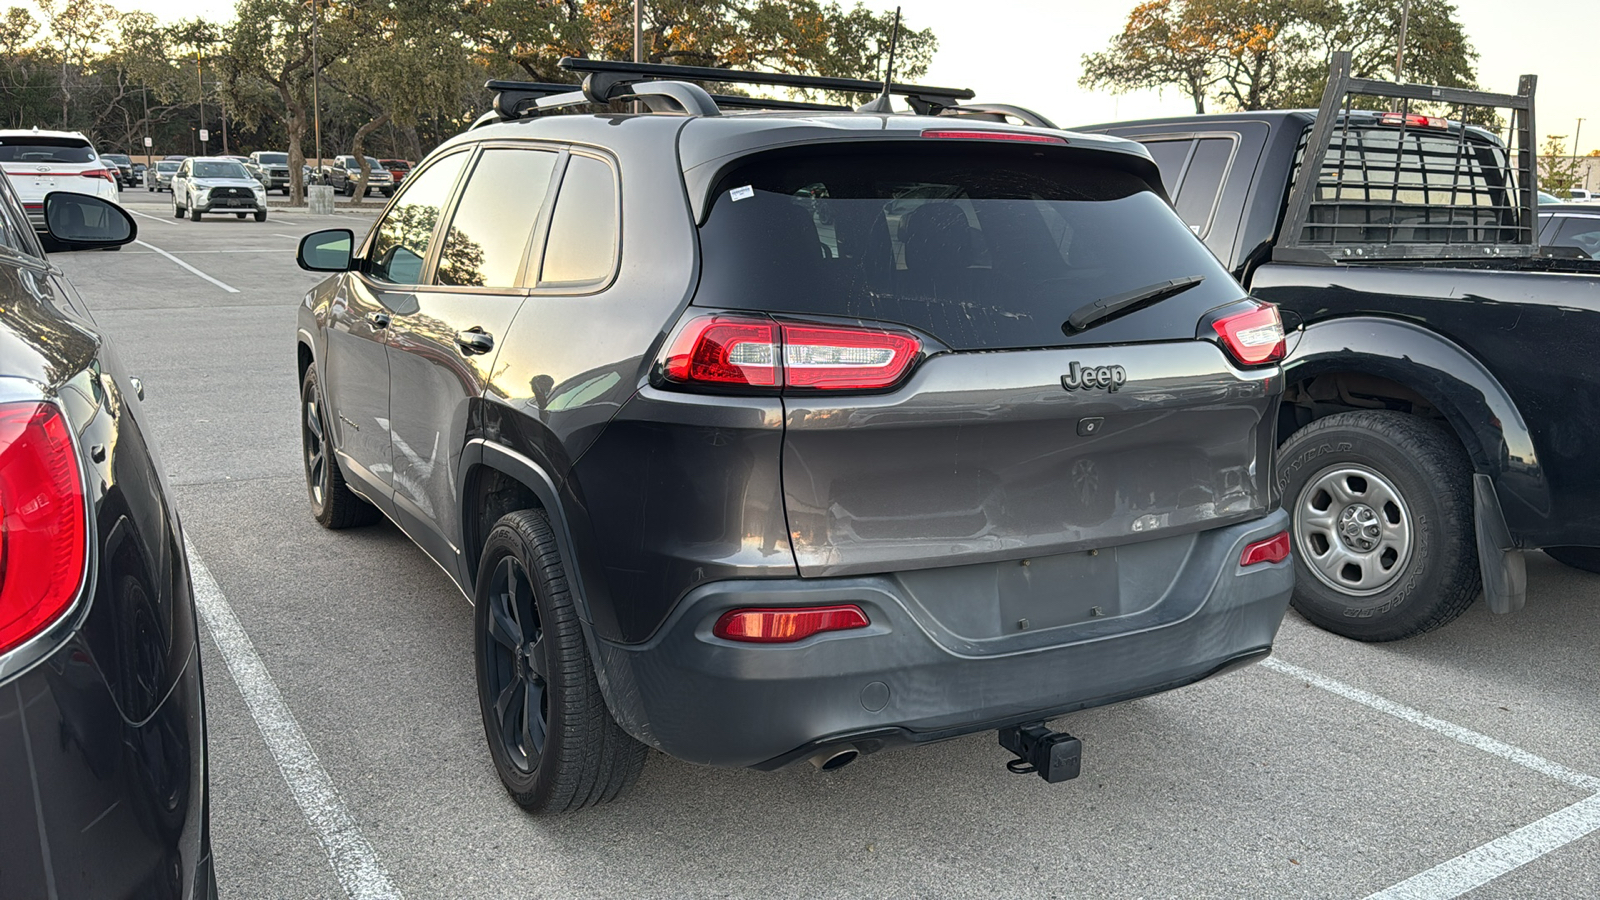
(39, 162)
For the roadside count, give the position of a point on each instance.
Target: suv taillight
(42, 520)
(1253, 337)
(99, 173)
(734, 351)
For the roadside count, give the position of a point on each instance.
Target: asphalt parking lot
(347, 756)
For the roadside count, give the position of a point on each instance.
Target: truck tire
(552, 740)
(1585, 558)
(1382, 524)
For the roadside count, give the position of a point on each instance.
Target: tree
(270, 42)
(1260, 54)
(1558, 172)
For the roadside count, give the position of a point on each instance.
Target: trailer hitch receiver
(1054, 756)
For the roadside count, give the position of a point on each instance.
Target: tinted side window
(15, 231)
(1169, 157)
(1581, 232)
(582, 246)
(494, 221)
(1202, 183)
(400, 244)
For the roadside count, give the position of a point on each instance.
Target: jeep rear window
(983, 249)
(45, 150)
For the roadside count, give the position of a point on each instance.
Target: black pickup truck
(1442, 411)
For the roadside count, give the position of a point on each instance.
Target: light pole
(316, 77)
(1575, 135)
(200, 84)
(1400, 50)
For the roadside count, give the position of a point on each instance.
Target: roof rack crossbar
(654, 71)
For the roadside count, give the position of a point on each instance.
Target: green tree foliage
(1265, 54)
(1558, 171)
(390, 77)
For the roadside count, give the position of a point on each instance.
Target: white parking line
(1481, 865)
(289, 236)
(1486, 862)
(1450, 730)
(229, 288)
(354, 861)
(150, 217)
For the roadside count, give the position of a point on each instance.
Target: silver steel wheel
(1353, 529)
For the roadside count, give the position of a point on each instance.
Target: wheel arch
(487, 468)
(1396, 364)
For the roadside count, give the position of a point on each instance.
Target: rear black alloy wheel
(1381, 505)
(1585, 558)
(333, 504)
(553, 742)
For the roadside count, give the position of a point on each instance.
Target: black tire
(238, 215)
(349, 189)
(531, 656)
(177, 211)
(194, 215)
(333, 504)
(1387, 476)
(261, 215)
(1585, 558)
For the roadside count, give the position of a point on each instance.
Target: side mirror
(327, 251)
(83, 222)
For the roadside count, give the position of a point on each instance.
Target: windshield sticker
(742, 193)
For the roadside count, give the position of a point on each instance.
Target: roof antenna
(881, 104)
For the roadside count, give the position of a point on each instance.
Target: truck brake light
(1413, 120)
(1019, 136)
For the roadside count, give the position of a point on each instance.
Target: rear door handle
(474, 341)
(378, 319)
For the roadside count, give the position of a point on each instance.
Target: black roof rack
(670, 88)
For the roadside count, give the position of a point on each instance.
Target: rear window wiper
(1088, 314)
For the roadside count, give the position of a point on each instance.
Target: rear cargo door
(1015, 436)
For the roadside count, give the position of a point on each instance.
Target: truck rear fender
(1473, 402)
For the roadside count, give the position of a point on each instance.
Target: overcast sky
(1027, 52)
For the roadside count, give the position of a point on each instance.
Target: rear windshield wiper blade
(1090, 313)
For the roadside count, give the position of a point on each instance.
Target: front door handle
(378, 319)
(474, 341)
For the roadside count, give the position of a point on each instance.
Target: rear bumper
(906, 679)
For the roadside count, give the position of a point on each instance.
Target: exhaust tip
(835, 758)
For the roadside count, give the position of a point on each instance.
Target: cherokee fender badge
(1084, 378)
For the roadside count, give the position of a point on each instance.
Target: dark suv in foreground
(798, 435)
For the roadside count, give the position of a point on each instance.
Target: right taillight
(1253, 336)
(42, 520)
(735, 351)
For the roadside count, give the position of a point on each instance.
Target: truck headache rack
(1399, 185)
(673, 89)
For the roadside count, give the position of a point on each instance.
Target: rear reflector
(761, 353)
(1019, 136)
(1273, 549)
(42, 520)
(1253, 337)
(784, 626)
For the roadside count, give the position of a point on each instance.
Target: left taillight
(1252, 336)
(1274, 549)
(42, 520)
(748, 352)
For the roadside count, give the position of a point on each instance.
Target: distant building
(1588, 171)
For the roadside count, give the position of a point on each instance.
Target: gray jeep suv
(768, 436)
